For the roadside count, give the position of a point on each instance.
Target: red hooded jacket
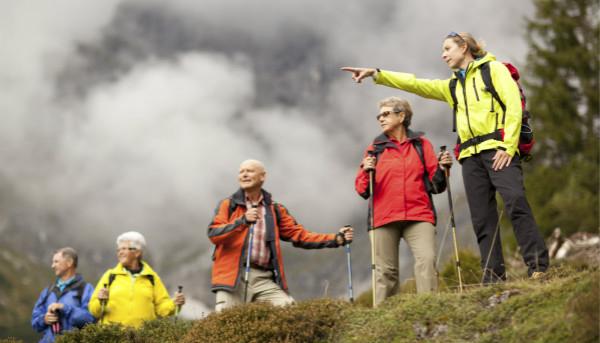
(399, 186)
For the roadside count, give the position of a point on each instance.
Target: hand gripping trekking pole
(249, 253)
(372, 226)
(103, 306)
(349, 259)
(452, 222)
(178, 307)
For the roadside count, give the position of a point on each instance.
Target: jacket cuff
(509, 150)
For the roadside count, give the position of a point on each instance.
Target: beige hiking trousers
(420, 238)
(261, 288)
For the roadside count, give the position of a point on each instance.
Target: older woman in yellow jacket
(131, 292)
(489, 136)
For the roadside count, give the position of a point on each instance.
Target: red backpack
(526, 139)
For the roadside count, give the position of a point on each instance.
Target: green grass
(558, 309)
(562, 307)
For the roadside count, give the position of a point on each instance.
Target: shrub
(10, 340)
(311, 321)
(112, 333)
(470, 270)
(164, 330)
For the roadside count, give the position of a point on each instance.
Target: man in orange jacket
(229, 232)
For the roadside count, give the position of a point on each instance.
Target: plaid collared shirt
(260, 252)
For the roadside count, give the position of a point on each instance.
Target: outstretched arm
(292, 231)
(430, 89)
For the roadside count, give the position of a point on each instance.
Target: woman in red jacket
(402, 206)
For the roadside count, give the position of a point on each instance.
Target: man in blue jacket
(63, 305)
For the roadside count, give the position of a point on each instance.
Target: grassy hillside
(563, 307)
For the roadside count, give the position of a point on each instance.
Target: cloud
(123, 115)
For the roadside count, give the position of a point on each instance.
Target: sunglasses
(387, 113)
(454, 34)
(127, 248)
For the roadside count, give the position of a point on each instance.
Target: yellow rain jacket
(477, 113)
(132, 299)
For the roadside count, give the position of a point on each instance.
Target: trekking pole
(178, 307)
(487, 260)
(103, 306)
(452, 222)
(349, 259)
(247, 272)
(56, 325)
(372, 226)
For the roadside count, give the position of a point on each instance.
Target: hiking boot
(537, 275)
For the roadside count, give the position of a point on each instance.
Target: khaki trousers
(420, 237)
(261, 288)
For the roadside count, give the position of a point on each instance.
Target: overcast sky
(120, 115)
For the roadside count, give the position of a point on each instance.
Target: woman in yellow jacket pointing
(489, 135)
(131, 292)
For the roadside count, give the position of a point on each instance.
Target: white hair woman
(131, 292)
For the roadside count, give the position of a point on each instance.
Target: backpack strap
(418, 145)
(486, 75)
(277, 212)
(78, 287)
(111, 279)
(232, 206)
(51, 289)
(452, 86)
(429, 186)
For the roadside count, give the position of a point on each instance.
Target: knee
(283, 301)
(514, 197)
(425, 260)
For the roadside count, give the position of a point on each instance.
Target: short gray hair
(68, 252)
(135, 239)
(399, 105)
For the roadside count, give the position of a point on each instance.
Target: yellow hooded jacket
(132, 299)
(474, 115)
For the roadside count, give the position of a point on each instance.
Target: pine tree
(562, 85)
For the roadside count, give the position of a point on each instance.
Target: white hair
(135, 239)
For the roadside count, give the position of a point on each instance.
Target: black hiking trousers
(481, 183)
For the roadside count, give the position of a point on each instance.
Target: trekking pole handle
(443, 150)
(103, 301)
(347, 242)
(178, 308)
(371, 153)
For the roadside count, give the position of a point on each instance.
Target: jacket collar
(74, 282)
(488, 57)
(384, 139)
(239, 197)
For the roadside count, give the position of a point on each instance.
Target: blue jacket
(75, 314)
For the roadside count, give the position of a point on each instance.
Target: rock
(497, 299)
